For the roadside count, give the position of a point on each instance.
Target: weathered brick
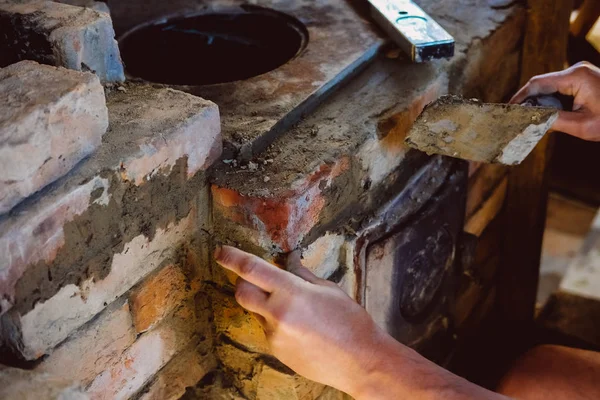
(94, 348)
(62, 35)
(27, 385)
(242, 367)
(94, 5)
(152, 351)
(112, 220)
(158, 296)
(274, 384)
(50, 119)
(325, 255)
(183, 371)
(379, 156)
(281, 221)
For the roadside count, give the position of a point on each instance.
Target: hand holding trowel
(491, 133)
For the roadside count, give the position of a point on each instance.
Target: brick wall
(103, 200)
(113, 195)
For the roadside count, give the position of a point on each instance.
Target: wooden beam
(587, 17)
(544, 50)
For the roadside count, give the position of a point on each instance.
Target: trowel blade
(476, 131)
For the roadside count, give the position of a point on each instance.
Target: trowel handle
(556, 100)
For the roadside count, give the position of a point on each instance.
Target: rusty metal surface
(414, 268)
(255, 111)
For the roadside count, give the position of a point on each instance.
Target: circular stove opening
(213, 46)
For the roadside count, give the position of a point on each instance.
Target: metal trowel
(490, 133)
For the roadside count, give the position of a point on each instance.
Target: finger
(294, 265)
(251, 297)
(564, 82)
(253, 269)
(572, 123)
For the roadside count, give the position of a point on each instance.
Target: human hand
(318, 331)
(312, 326)
(582, 81)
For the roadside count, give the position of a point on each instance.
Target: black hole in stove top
(212, 47)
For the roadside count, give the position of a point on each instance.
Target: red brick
(184, 370)
(94, 5)
(51, 119)
(157, 297)
(152, 131)
(21, 384)
(323, 256)
(75, 38)
(283, 220)
(380, 156)
(149, 354)
(94, 348)
(275, 385)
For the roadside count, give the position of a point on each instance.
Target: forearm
(395, 371)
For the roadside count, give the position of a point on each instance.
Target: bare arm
(318, 331)
(582, 81)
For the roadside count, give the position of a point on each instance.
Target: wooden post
(588, 15)
(544, 50)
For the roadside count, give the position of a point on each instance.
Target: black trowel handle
(556, 100)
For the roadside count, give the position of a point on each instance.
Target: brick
(332, 257)
(274, 384)
(50, 322)
(282, 221)
(183, 371)
(94, 5)
(94, 348)
(28, 385)
(151, 352)
(324, 256)
(50, 120)
(242, 367)
(164, 125)
(112, 220)
(158, 296)
(256, 379)
(313, 179)
(62, 35)
(238, 324)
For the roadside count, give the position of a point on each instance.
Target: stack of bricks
(103, 198)
(107, 218)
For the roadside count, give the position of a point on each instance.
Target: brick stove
(107, 287)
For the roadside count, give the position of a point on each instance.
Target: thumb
(294, 265)
(573, 123)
